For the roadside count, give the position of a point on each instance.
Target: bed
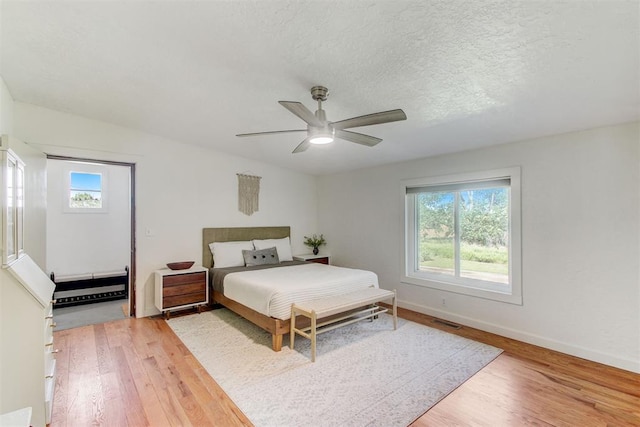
(273, 316)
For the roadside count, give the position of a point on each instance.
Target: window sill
(477, 292)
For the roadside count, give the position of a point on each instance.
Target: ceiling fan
(321, 131)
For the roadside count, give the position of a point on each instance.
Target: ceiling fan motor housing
(319, 93)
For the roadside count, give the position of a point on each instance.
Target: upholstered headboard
(234, 234)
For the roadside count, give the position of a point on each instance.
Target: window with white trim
(85, 190)
(462, 234)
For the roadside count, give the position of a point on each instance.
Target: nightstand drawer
(181, 279)
(184, 299)
(189, 288)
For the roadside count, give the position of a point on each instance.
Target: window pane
(85, 190)
(484, 232)
(20, 208)
(11, 211)
(435, 233)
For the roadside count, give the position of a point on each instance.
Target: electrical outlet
(444, 302)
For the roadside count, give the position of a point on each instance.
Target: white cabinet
(27, 353)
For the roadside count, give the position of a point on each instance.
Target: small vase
(315, 251)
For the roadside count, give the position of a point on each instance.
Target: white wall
(88, 242)
(6, 109)
(180, 188)
(581, 245)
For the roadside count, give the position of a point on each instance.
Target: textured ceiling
(467, 74)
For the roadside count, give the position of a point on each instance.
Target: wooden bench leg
(395, 311)
(313, 336)
(292, 329)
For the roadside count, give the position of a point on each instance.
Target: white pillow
(283, 246)
(229, 254)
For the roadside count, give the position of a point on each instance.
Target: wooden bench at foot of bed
(331, 308)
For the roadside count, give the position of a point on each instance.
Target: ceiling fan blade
(302, 146)
(371, 119)
(303, 112)
(358, 138)
(271, 132)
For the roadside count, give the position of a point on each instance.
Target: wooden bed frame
(276, 327)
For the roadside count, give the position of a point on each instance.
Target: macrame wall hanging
(248, 193)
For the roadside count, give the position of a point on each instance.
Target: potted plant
(315, 242)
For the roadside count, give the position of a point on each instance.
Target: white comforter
(272, 291)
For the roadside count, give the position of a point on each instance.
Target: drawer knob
(49, 316)
(49, 344)
(53, 325)
(55, 351)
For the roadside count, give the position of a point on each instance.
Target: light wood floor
(136, 372)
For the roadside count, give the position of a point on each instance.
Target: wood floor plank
(144, 386)
(179, 391)
(115, 411)
(136, 372)
(59, 411)
(85, 397)
(105, 364)
(196, 398)
(170, 403)
(135, 412)
(212, 397)
(215, 398)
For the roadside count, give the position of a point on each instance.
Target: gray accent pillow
(260, 257)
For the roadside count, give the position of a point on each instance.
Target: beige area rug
(365, 374)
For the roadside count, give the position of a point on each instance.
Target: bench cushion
(338, 304)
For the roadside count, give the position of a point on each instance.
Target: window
(12, 193)
(85, 190)
(463, 234)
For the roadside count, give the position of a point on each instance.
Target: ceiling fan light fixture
(319, 140)
(322, 136)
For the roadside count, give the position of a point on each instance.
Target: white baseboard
(584, 353)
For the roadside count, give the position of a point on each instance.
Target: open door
(90, 231)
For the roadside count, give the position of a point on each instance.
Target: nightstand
(320, 259)
(178, 289)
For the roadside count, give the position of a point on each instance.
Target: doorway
(91, 237)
